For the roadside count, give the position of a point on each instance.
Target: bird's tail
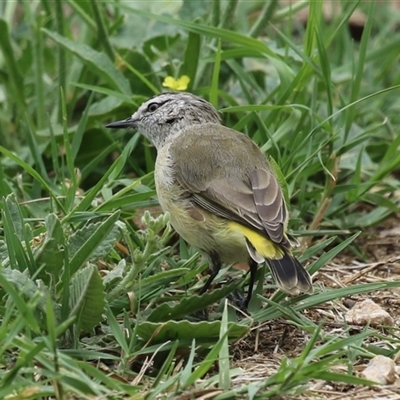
(290, 275)
(286, 270)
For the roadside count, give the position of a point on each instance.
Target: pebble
(380, 369)
(367, 312)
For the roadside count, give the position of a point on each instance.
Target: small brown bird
(219, 189)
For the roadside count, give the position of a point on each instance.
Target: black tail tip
(290, 276)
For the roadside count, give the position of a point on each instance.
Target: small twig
(331, 278)
(357, 275)
(326, 199)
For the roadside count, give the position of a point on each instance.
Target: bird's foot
(239, 301)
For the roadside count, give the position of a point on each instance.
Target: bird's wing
(231, 179)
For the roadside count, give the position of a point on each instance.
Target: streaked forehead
(184, 96)
(180, 100)
(158, 98)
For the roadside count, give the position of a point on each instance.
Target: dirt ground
(260, 353)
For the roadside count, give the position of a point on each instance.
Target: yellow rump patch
(265, 247)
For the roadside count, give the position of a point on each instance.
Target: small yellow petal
(176, 84)
(182, 82)
(169, 82)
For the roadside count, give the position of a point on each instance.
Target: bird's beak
(125, 123)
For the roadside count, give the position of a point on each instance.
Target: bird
(219, 189)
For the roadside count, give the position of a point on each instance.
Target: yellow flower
(176, 84)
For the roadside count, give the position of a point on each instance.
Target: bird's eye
(152, 107)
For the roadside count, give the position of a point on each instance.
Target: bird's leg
(215, 267)
(236, 297)
(253, 271)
